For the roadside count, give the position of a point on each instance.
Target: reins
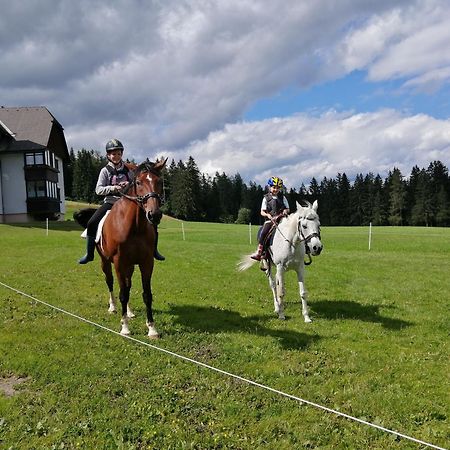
(302, 239)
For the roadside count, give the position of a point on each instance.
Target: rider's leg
(90, 249)
(259, 251)
(91, 232)
(156, 254)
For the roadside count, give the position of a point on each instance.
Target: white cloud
(301, 147)
(164, 76)
(408, 43)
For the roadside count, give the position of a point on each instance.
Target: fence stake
(250, 232)
(370, 234)
(182, 230)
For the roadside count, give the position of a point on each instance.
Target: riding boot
(89, 256)
(156, 254)
(258, 254)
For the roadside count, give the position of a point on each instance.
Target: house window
(41, 158)
(34, 159)
(41, 188)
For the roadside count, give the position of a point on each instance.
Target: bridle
(141, 200)
(303, 238)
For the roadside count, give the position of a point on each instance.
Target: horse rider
(274, 206)
(112, 180)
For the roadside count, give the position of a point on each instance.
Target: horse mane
(146, 166)
(150, 166)
(305, 210)
(291, 221)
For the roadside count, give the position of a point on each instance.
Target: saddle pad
(99, 229)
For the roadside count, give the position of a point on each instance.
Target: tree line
(422, 199)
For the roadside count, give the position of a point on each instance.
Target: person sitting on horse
(274, 206)
(112, 180)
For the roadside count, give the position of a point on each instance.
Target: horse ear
(315, 205)
(298, 205)
(160, 163)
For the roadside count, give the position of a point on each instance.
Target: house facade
(32, 152)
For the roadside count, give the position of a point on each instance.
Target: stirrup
(158, 256)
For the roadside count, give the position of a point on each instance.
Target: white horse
(295, 237)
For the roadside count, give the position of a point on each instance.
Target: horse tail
(83, 215)
(245, 263)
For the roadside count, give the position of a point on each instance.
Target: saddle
(267, 242)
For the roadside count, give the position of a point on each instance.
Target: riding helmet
(113, 144)
(275, 181)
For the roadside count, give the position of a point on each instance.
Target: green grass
(377, 347)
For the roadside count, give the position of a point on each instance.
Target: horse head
(309, 227)
(148, 189)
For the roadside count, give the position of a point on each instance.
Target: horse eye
(138, 183)
(305, 226)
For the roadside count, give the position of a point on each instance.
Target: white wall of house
(61, 186)
(13, 184)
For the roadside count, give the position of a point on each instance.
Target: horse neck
(132, 213)
(288, 226)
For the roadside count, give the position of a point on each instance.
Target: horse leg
(124, 276)
(147, 296)
(303, 293)
(106, 267)
(280, 292)
(274, 291)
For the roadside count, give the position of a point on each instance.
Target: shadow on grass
(215, 320)
(338, 309)
(67, 225)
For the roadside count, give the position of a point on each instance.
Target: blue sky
(289, 88)
(352, 92)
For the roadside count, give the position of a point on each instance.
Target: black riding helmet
(114, 144)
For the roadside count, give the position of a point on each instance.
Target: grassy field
(377, 348)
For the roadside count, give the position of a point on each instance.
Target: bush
(244, 216)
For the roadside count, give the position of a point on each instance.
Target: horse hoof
(154, 336)
(112, 311)
(131, 315)
(125, 331)
(282, 317)
(308, 320)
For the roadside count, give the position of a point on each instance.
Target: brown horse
(128, 239)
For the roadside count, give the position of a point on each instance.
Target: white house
(32, 151)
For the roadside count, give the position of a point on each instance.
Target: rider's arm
(264, 212)
(103, 187)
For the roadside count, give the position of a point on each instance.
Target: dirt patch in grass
(8, 385)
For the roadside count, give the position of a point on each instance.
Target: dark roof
(32, 128)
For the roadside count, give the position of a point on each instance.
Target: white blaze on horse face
(149, 178)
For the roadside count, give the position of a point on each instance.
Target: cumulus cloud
(301, 147)
(174, 76)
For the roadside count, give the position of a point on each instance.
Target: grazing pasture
(377, 348)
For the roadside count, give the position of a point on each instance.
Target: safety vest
(118, 176)
(275, 205)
